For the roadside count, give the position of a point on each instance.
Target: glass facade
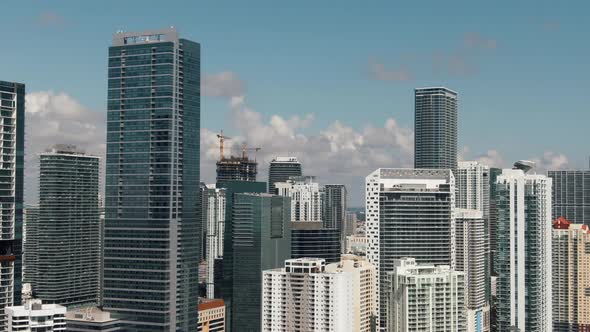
(280, 170)
(225, 282)
(571, 195)
(311, 240)
(64, 265)
(152, 217)
(12, 138)
(258, 245)
(435, 128)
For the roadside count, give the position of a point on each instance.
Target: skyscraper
(312, 240)
(152, 220)
(471, 254)
(409, 214)
(473, 186)
(306, 198)
(30, 242)
(493, 220)
(12, 115)
(281, 169)
(261, 240)
(571, 275)
(214, 205)
(291, 296)
(67, 230)
(425, 298)
(473, 193)
(225, 284)
(335, 200)
(435, 128)
(524, 250)
(571, 195)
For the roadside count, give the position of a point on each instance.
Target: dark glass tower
(66, 263)
(571, 195)
(280, 170)
(334, 206)
(152, 221)
(261, 241)
(312, 240)
(225, 284)
(12, 130)
(435, 128)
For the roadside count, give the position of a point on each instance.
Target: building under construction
(240, 168)
(236, 168)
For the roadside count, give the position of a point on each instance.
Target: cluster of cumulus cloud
(338, 153)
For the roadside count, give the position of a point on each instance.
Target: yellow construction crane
(246, 148)
(222, 138)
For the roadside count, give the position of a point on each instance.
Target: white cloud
(337, 154)
(224, 84)
(550, 161)
(57, 118)
(379, 72)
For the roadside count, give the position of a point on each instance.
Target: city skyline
(252, 99)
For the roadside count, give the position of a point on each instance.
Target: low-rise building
(91, 319)
(34, 316)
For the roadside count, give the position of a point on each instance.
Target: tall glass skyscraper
(65, 236)
(571, 195)
(152, 217)
(435, 128)
(280, 170)
(12, 151)
(334, 206)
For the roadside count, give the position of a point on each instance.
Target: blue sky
(521, 68)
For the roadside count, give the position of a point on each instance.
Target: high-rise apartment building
(261, 240)
(571, 195)
(307, 295)
(473, 186)
(225, 282)
(312, 240)
(12, 135)
(214, 206)
(410, 213)
(493, 220)
(523, 203)
(350, 222)
(152, 217)
(306, 198)
(30, 242)
(425, 298)
(237, 169)
(335, 202)
(65, 257)
(435, 128)
(282, 169)
(471, 254)
(571, 275)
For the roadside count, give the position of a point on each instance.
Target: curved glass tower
(435, 128)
